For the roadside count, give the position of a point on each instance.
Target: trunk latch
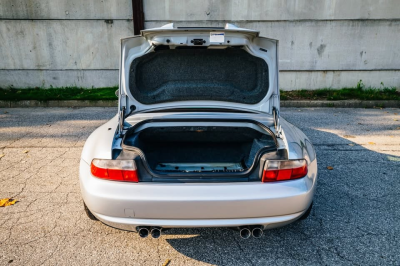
(198, 41)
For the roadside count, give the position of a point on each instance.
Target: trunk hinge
(122, 115)
(278, 129)
(121, 112)
(121, 119)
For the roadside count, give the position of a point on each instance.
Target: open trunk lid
(167, 67)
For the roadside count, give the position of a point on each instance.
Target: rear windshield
(231, 75)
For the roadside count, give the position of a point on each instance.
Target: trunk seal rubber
(207, 176)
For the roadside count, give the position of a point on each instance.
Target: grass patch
(74, 93)
(357, 93)
(58, 94)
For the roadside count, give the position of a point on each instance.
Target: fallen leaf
(5, 112)
(349, 136)
(7, 202)
(167, 262)
(371, 143)
(2, 155)
(396, 119)
(351, 144)
(395, 113)
(394, 159)
(26, 151)
(398, 127)
(329, 168)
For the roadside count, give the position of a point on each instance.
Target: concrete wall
(62, 43)
(331, 43)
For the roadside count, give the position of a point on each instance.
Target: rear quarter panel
(99, 143)
(300, 147)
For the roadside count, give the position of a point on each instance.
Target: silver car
(198, 140)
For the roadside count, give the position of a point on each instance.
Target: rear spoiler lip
(169, 28)
(146, 33)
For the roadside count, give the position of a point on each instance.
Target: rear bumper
(130, 224)
(127, 205)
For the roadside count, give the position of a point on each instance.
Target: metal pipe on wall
(138, 16)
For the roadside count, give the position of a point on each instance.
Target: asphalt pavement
(355, 219)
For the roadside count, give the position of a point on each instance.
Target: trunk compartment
(192, 149)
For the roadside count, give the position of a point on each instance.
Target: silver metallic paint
(127, 205)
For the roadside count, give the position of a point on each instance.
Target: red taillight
(119, 170)
(284, 170)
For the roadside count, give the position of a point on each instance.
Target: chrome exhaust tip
(143, 232)
(156, 232)
(257, 231)
(245, 232)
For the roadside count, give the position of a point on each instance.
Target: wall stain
(321, 49)
(310, 44)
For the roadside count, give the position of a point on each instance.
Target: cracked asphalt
(354, 221)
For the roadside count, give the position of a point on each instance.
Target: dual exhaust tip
(244, 231)
(248, 231)
(144, 231)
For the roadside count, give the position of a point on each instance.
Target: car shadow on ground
(354, 218)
